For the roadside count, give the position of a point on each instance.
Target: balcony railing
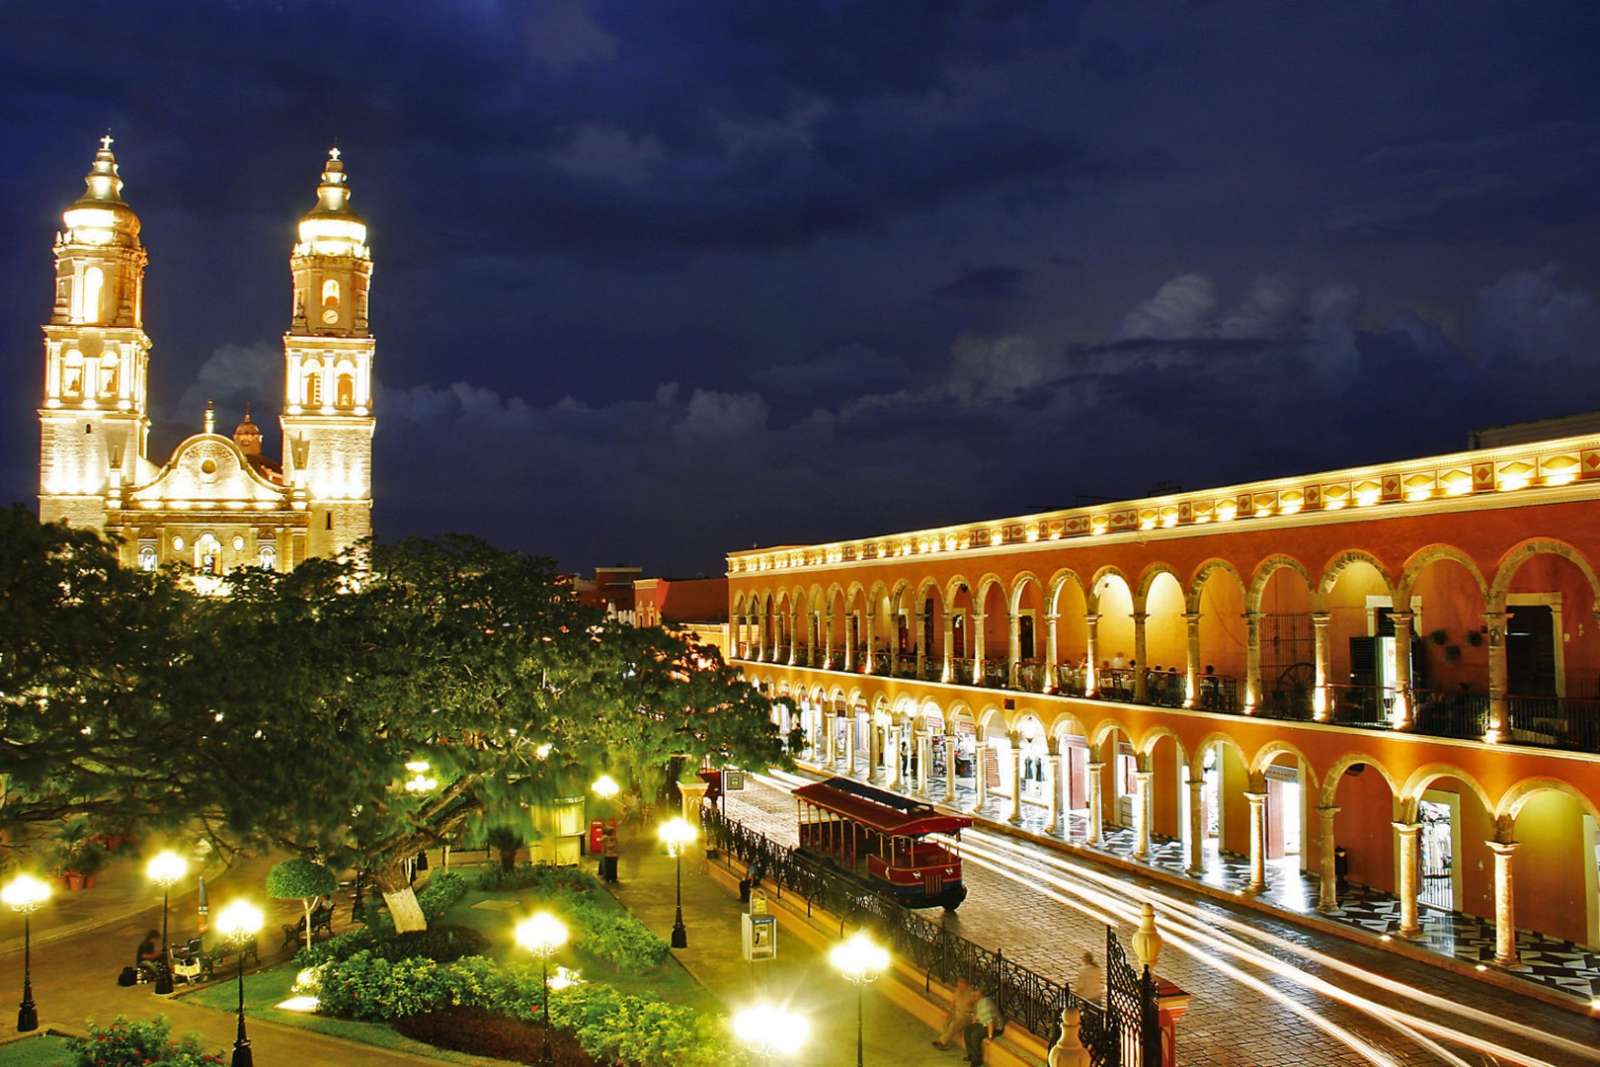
(1540, 721)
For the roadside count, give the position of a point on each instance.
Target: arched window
(90, 291)
(313, 389)
(108, 375)
(269, 557)
(147, 558)
(208, 554)
(330, 293)
(345, 391)
(72, 375)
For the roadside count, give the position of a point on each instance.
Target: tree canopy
(285, 711)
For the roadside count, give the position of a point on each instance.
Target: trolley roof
(879, 810)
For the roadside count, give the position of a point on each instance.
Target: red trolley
(883, 838)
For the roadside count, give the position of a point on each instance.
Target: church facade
(219, 502)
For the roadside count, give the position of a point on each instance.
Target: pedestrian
(984, 1025)
(1090, 983)
(962, 1001)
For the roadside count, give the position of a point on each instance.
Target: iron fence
(1123, 1030)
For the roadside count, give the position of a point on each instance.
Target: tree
(301, 879)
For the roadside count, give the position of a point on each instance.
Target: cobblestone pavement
(1243, 1013)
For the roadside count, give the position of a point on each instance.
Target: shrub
(442, 944)
(443, 892)
(138, 1043)
(609, 934)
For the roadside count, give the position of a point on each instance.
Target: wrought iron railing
(1123, 1030)
(1368, 706)
(1462, 714)
(1554, 722)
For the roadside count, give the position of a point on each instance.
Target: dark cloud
(658, 280)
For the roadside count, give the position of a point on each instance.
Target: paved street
(1265, 992)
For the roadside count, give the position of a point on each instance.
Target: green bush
(603, 931)
(139, 1043)
(439, 943)
(443, 892)
(611, 1026)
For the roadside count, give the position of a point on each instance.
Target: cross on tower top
(333, 153)
(105, 142)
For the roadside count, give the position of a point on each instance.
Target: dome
(332, 228)
(100, 214)
(247, 435)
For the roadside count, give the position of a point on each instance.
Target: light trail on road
(1212, 939)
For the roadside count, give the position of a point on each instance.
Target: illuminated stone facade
(218, 503)
(1217, 668)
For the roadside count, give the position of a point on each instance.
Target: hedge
(610, 1025)
(599, 927)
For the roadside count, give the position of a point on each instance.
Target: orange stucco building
(1389, 674)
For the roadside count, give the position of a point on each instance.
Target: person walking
(963, 999)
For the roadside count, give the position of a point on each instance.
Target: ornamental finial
(105, 142)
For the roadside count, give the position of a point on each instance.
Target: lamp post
(239, 923)
(677, 834)
(541, 935)
(164, 869)
(770, 1030)
(25, 894)
(860, 960)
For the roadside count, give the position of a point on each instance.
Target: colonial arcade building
(219, 502)
(1357, 685)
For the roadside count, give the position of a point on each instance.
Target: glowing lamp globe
(25, 893)
(541, 934)
(165, 868)
(859, 958)
(605, 787)
(677, 834)
(770, 1030)
(239, 921)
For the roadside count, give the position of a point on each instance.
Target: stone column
(1049, 657)
(924, 760)
(827, 645)
(948, 674)
(950, 766)
(1096, 815)
(1321, 698)
(828, 754)
(1091, 675)
(1505, 919)
(868, 623)
(922, 643)
(1410, 927)
(1258, 843)
(1014, 816)
(1191, 623)
(850, 743)
(1400, 716)
(1499, 720)
(1141, 814)
(794, 640)
(692, 795)
(1014, 649)
(1328, 887)
(977, 648)
(761, 638)
(875, 746)
(850, 640)
(1252, 661)
(1141, 664)
(980, 772)
(1054, 775)
(1196, 845)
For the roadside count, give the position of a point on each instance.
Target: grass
(43, 1051)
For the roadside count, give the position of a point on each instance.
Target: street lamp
(678, 834)
(239, 923)
(25, 894)
(542, 934)
(860, 960)
(164, 869)
(605, 787)
(769, 1030)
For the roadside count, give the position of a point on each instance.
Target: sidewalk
(800, 977)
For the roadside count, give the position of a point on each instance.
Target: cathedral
(219, 502)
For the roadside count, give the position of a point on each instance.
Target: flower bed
(483, 1033)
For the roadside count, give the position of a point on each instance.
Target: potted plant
(79, 855)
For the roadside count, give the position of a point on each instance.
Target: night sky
(659, 280)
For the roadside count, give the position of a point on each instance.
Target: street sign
(732, 779)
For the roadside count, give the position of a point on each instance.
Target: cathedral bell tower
(94, 420)
(328, 350)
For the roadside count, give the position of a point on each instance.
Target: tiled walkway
(1562, 966)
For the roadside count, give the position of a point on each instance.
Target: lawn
(42, 1051)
